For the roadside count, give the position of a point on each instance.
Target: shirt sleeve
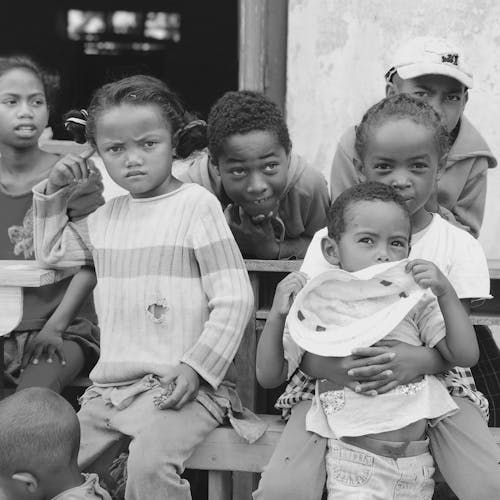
(468, 212)
(468, 271)
(227, 286)
(430, 321)
(343, 174)
(57, 241)
(319, 202)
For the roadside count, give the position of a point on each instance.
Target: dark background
(200, 68)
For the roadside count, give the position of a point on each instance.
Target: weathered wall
(338, 52)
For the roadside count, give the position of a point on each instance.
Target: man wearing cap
(434, 70)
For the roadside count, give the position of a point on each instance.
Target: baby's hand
(185, 383)
(428, 275)
(286, 292)
(69, 170)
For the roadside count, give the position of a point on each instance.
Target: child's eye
(9, 102)
(367, 240)
(114, 149)
(38, 102)
(420, 166)
(150, 144)
(453, 98)
(382, 166)
(398, 244)
(271, 167)
(420, 93)
(238, 172)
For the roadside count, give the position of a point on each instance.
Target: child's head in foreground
(135, 124)
(433, 70)
(249, 143)
(402, 141)
(39, 443)
(368, 224)
(26, 94)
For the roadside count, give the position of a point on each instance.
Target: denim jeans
(357, 474)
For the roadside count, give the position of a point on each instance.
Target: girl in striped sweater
(172, 294)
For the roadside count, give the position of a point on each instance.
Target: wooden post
(263, 47)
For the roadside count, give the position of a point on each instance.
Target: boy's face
(135, 145)
(445, 94)
(404, 155)
(253, 168)
(375, 232)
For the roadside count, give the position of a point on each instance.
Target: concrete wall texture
(339, 50)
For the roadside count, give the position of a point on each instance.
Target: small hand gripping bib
(338, 311)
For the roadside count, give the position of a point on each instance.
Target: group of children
(390, 267)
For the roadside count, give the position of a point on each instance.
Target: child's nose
(256, 184)
(383, 255)
(133, 159)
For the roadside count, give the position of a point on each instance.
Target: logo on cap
(450, 58)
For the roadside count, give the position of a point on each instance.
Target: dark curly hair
(50, 81)
(242, 112)
(189, 134)
(365, 191)
(402, 106)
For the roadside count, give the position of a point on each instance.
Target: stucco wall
(338, 52)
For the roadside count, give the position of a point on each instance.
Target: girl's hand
(254, 236)
(187, 384)
(47, 341)
(428, 275)
(389, 363)
(69, 170)
(286, 292)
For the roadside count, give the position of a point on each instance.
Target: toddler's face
(375, 232)
(253, 168)
(23, 108)
(135, 145)
(446, 95)
(404, 155)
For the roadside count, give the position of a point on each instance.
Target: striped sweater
(171, 283)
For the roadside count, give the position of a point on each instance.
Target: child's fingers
(176, 396)
(388, 387)
(37, 353)
(85, 155)
(188, 396)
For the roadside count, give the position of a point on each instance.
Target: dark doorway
(190, 44)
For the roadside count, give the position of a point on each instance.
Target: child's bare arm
(271, 364)
(459, 347)
(379, 368)
(49, 339)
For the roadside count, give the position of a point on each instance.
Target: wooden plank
(244, 360)
(487, 319)
(28, 273)
(274, 266)
(219, 485)
(223, 449)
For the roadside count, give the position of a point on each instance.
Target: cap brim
(415, 70)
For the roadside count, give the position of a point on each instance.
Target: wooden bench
(224, 454)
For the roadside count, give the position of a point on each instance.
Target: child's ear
(360, 170)
(391, 89)
(329, 249)
(28, 481)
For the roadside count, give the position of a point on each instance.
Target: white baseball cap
(429, 56)
(338, 311)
